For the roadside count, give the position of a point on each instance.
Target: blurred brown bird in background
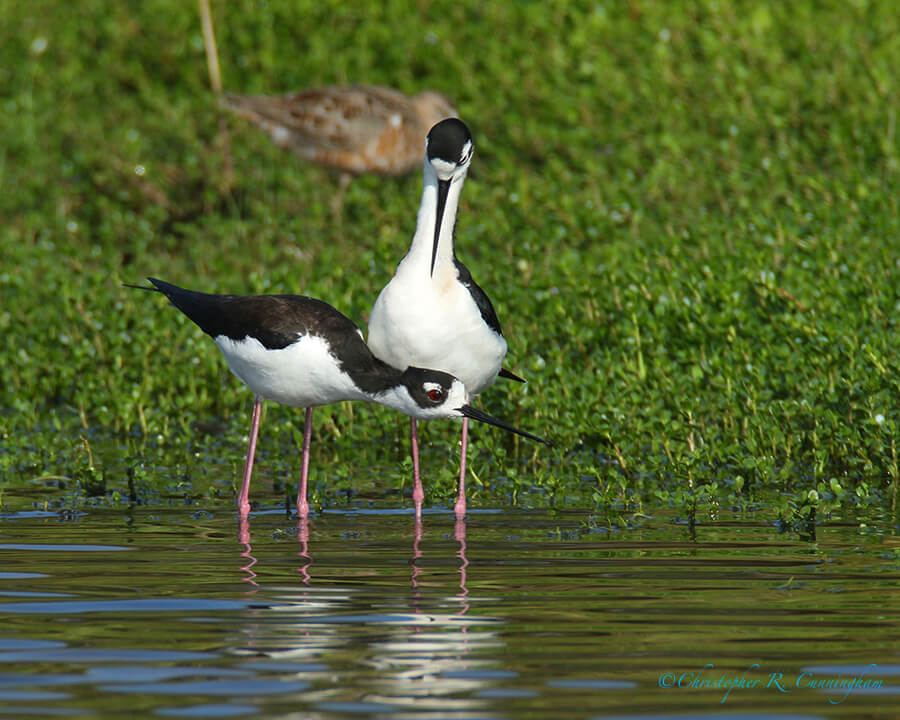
(351, 128)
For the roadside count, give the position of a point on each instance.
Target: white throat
(420, 250)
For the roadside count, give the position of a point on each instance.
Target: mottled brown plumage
(355, 128)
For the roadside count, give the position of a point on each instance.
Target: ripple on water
(723, 715)
(14, 643)
(94, 655)
(226, 687)
(28, 695)
(131, 674)
(207, 711)
(44, 547)
(369, 614)
(149, 605)
(591, 684)
(21, 575)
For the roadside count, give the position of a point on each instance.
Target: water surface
(185, 614)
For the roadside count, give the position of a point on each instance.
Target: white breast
(303, 374)
(434, 323)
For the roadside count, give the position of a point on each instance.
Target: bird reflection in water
(303, 539)
(459, 532)
(417, 553)
(247, 552)
(423, 656)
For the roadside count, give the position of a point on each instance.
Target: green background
(685, 213)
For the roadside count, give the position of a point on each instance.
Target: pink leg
(418, 492)
(460, 507)
(244, 532)
(244, 496)
(302, 504)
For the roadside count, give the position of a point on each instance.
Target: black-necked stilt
(354, 128)
(301, 352)
(432, 313)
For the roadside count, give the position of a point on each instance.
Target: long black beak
(476, 414)
(443, 189)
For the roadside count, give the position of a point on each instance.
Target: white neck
(423, 241)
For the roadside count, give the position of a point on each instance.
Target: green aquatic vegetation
(686, 216)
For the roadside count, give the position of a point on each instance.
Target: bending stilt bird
(301, 352)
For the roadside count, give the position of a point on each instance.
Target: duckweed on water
(685, 215)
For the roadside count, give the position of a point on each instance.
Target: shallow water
(173, 613)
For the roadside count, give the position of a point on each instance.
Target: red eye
(436, 395)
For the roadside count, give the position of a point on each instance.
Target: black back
(278, 321)
(275, 320)
(447, 139)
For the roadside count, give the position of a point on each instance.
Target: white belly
(437, 326)
(301, 375)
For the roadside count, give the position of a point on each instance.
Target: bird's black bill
(476, 414)
(141, 287)
(443, 189)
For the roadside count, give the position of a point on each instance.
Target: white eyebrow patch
(443, 168)
(466, 155)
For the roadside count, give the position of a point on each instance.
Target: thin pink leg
(302, 504)
(460, 507)
(244, 495)
(418, 492)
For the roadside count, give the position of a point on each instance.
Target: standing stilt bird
(301, 352)
(352, 128)
(432, 313)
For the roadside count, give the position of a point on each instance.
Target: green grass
(685, 213)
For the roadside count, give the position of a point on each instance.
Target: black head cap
(450, 141)
(429, 388)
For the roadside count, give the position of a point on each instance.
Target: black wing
(480, 297)
(488, 314)
(275, 320)
(278, 321)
